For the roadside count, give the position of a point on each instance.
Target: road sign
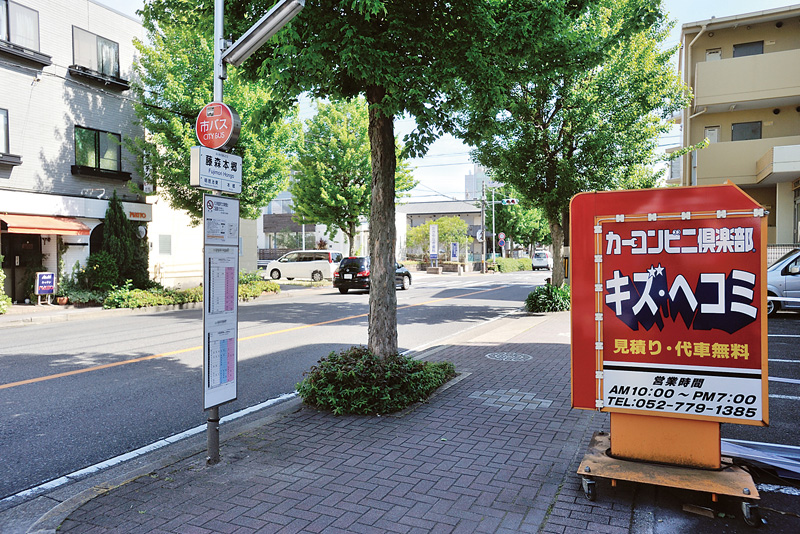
(501, 243)
(669, 317)
(501, 235)
(453, 251)
(479, 236)
(217, 126)
(434, 241)
(215, 170)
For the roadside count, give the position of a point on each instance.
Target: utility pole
(483, 227)
(493, 232)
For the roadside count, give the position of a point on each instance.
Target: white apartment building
(65, 112)
(744, 72)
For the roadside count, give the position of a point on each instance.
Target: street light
(261, 31)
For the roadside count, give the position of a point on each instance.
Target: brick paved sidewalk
(495, 451)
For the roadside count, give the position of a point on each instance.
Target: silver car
(783, 282)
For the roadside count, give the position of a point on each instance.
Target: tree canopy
(404, 57)
(174, 81)
(452, 229)
(523, 223)
(577, 109)
(332, 185)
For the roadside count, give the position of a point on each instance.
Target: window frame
(86, 48)
(5, 142)
(9, 46)
(98, 155)
(745, 49)
(6, 157)
(97, 169)
(741, 124)
(97, 65)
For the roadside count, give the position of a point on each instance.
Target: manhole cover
(509, 356)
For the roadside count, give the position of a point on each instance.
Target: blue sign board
(45, 283)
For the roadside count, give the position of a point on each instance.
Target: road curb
(115, 477)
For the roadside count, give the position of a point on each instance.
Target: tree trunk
(351, 238)
(382, 231)
(557, 233)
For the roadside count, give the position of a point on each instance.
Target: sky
(441, 172)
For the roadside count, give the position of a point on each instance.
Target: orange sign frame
(668, 303)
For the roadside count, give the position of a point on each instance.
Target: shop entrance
(22, 258)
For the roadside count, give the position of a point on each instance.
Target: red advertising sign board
(217, 126)
(669, 302)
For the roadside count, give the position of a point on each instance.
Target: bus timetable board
(669, 301)
(220, 300)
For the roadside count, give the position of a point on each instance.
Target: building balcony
(20, 52)
(779, 164)
(88, 74)
(754, 162)
(750, 82)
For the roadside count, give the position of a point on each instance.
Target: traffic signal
(510, 202)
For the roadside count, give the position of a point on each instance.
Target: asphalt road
(74, 394)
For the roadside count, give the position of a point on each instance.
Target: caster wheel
(589, 488)
(751, 514)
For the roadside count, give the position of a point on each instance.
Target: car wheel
(316, 276)
(772, 305)
(406, 283)
(275, 274)
(343, 290)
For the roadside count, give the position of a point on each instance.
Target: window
(165, 244)
(3, 131)
(97, 149)
(6, 159)
(19, 25)
(748, 49)
(742, 131)
(95, 53)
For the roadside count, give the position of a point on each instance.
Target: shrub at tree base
(548, 298)
(354, 381)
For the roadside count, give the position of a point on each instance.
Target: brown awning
(40, 224)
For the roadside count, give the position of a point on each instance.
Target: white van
(313, 264)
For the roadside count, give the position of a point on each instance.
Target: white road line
(784, 380)
(52, 484)
(788, 397)
(783, 335)
(784, 361)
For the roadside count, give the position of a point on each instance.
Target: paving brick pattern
(495, 452)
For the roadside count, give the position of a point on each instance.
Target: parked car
(353, 273)
(541, 260)
(783, 281)
(313, 264)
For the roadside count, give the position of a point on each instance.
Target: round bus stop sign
(218, 126)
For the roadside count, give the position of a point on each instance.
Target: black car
(353, 273)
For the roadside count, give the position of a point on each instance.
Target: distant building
(65, 112)
(744, 72)
(473, 182)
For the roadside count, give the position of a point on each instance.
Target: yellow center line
(200, 347)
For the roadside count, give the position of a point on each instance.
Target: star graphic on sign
(651, 271)
(659, 270)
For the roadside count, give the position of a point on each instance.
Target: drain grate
(510, 399)
(509, 356)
